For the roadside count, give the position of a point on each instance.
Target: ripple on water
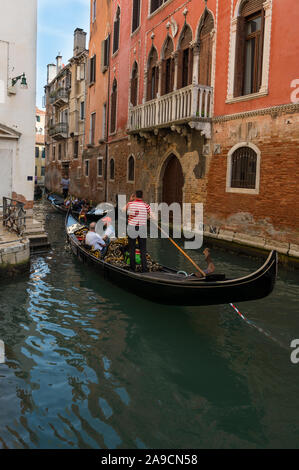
(91, 366)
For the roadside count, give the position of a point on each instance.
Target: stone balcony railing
(60, 97)
(190, 105)
(59, 130)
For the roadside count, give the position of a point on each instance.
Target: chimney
(51, 72)
(58, 63)
(79, 41)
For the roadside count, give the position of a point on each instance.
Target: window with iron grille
(243, 168)
(136, 15)
(131, 169)
(116, 31)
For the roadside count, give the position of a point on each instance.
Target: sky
(57, 20)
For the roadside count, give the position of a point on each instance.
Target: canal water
(89, 365)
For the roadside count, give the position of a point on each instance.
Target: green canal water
(89, 365)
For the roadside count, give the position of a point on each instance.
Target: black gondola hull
(168, 288)
(57, 203)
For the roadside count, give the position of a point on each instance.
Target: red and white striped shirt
(137, 212)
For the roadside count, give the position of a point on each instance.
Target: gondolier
(138, 212)
(65, 182)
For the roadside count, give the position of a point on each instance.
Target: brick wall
(274, 212)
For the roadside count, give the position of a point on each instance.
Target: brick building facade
(65, 95)
(197, 101)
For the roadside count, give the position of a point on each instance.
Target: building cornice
(273, 110)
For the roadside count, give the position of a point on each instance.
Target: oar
(182, 251)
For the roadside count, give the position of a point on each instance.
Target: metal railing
(59, 128)
(188, 103)
(14, 215)
(60, 95)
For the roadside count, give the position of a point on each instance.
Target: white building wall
(18, 27)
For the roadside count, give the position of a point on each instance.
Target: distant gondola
(58, 203)
(175, 288)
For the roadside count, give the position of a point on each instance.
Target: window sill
(252, 96)
(242, 191)
(114, 54)
(91, 84)
(133, 33)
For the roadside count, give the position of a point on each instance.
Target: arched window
(243, 168)
(185, 58)
(116, 31)
(131, 168)
(113, 107)
(152, 75)
(111, 169)
(249, 47)
(134, 85)
(205, 48)
(167, 79)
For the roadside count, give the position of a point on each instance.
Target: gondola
(57, 203)
(176, 288)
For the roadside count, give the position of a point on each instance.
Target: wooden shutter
(180, 69)
(103, 53)
(113, 108)
(136, 14)
(261, 51)
(156, 80)
(94, 68)
(239, 57)
(171, 75)
(163, 78)
(251, 6)
(190, 66)
(149, 85)
(205, 62)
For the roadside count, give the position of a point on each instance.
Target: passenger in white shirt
(109, 230)
(93, 239)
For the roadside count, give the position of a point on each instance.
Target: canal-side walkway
(14, 252)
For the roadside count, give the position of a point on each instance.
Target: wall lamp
(12, 88)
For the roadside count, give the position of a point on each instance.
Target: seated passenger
(94, 240)
(108, 229)
(82, 216)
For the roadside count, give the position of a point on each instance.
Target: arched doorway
(173, 181)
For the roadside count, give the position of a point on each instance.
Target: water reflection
(92, 366)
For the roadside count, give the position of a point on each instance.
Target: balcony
(59, 97)
(191, 105)
(59, 131)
